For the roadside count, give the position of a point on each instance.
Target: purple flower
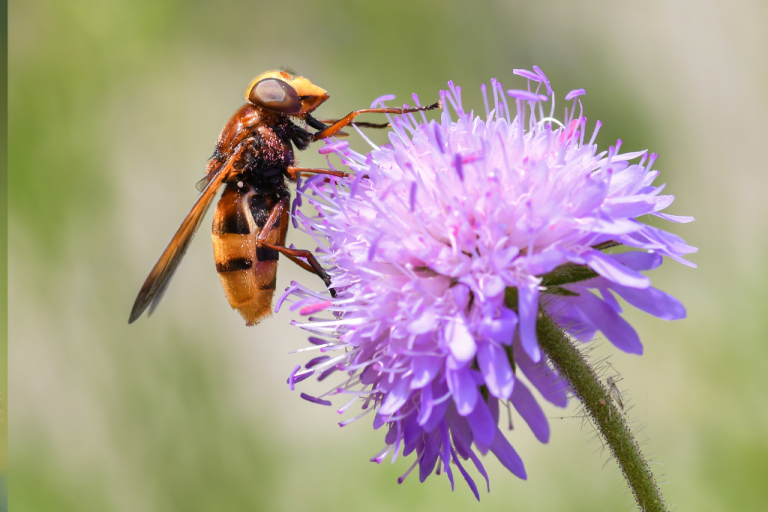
(433, 236)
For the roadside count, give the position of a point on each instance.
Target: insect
(614, 392)
(252, 160)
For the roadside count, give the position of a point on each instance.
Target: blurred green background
(114, 108)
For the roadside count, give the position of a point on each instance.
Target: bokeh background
(114, 108)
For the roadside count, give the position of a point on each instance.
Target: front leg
(341, 123)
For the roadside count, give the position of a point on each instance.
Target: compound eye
(275, 95)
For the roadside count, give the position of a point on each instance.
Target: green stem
(571, 364)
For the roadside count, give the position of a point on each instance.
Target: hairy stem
(596, 399)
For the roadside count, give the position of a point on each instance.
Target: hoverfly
(252, 159)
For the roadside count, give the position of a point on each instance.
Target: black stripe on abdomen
(234, 265)
(260, 205)
(231, 214)
(266, 254)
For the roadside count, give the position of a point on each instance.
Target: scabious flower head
(444, 245)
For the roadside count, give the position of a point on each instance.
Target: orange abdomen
(247, 272)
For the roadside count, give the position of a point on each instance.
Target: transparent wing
(157, 281)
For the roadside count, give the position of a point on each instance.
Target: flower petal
(439, 389)
(543, 262)
(482, 424)
(639, 260)
(545, 379)
(428, 457)
(424, 323)
(463, 390)
(460, 340)
(609, 268)
(397, 397)
(616, 329)
(496, 370)
(531, 412)
(424, 369)
(500, 329)
(507, 455)
(653, 301)
(528, 304)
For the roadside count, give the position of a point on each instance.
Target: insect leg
(303, 253)
(293, 172)
(359, 125)
(300, 263)
(313, 264)
(341, 123)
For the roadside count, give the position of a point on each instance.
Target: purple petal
(332, 147)
(507, 455)
(639, 260)
(653, 301)
(412, 434)
(545, 379)
(314, 400)
(661, 202)
(675, 218)
(379, 421)
(544, 262)
(424, 323)
(613, 226)
(459, 426)
(530, 410)
(326, 373)
(530, 75)
(382, 99)
(493, 406)
(616, 329)
(463, 389)
(592, 192)
(461, 446)
(500, 329)
(573, 321)
(480, 469)
(315, 361)
(426, 405)
(629, 207)
(575, 94)
(466, 476)
(438, 410)
(459, 166)
(624, 157)
(543, 79)
(370, 374)
(496, 370)
(609, 268)
(460, 340)
(292, 377)
(428, 459)
(302, 377)
(526, 95)
(412, 199)
(424, 369)
(482, 424)
(492, 286)
(445, 454)
(391, 435)
(528, 303)
(397, 397)
(609, 298)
